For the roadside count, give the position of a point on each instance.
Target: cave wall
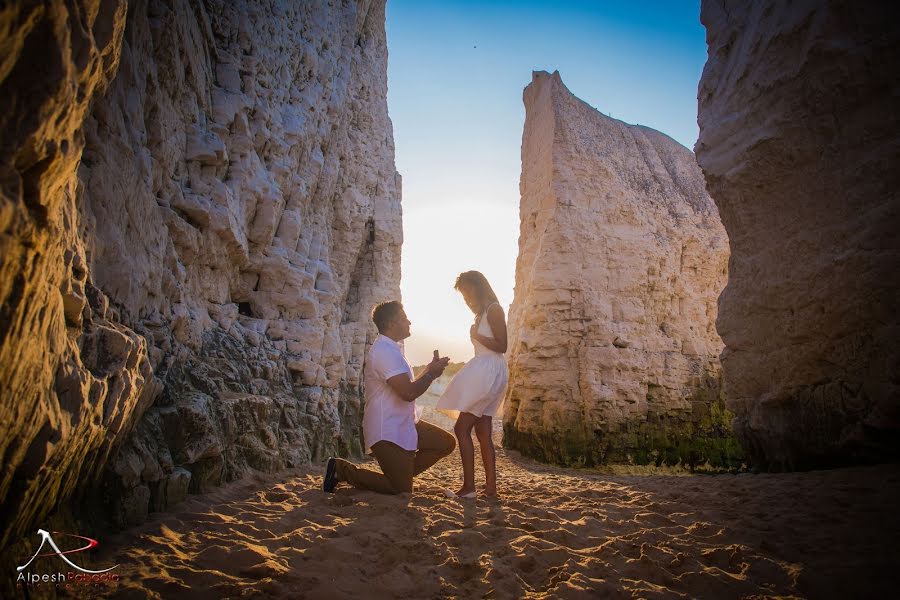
(613, 350)
(199, 207)
(800, 146)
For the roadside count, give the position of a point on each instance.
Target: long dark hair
(479, 283)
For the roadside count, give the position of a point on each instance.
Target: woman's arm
(497, 321)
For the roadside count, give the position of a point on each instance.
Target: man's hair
(384, 313)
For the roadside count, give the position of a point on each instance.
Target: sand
(555, 533)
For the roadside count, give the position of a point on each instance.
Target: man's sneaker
(330, 481)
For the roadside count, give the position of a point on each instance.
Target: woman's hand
(473, 332)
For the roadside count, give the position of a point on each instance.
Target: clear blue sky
(456, 71)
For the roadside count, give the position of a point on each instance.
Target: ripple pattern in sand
(555, 533)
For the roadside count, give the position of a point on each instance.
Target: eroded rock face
(199, 208)
(613, 350)
(799, 143)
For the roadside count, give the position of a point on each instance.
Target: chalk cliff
(613, 350)
(800, 146)
(198, 206)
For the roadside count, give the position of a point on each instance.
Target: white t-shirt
(387, 415)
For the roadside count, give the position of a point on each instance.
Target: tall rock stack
(800, 145)
(614, 352)
(198, 206)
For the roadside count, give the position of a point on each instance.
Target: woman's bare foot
(464, 490)
(488, 491)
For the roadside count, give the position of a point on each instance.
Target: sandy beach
(555, 533)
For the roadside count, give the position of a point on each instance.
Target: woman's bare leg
(488, 455)
(463, 430)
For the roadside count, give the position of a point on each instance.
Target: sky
(456, 71)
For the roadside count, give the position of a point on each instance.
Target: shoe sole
(329, 482)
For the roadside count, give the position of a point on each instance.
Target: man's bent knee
(449, 444)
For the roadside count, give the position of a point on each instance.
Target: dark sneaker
(330, 481)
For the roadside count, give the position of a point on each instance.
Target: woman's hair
(484, 294)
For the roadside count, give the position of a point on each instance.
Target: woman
(477, 390)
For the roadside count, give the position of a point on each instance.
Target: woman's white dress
(479, 386)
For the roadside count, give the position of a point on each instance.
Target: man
(403, 445)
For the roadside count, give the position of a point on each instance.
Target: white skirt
(477, 388)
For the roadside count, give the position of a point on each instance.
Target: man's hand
(409, 389)
(437, 365)
(473, 331)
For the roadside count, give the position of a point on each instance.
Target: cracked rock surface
(198, 207)
(613, 350)
(799, 143)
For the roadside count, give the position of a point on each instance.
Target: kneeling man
(403, 445)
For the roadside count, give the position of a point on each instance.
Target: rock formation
(198, 206)
(800, 146)
(613, 349)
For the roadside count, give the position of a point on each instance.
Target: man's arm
(408, 389)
